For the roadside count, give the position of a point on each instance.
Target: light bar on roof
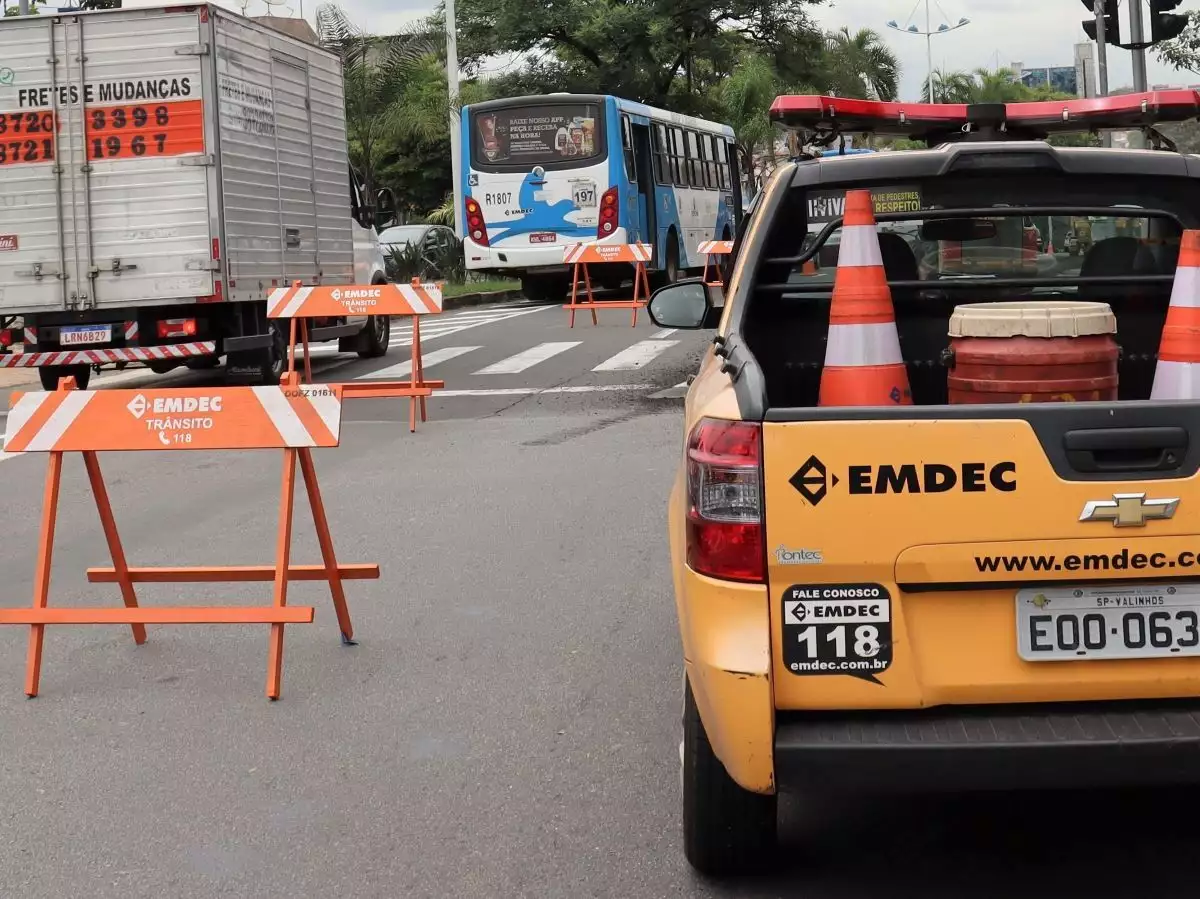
(866, 115)
(1045, 116)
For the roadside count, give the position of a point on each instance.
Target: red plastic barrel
(1033, 352)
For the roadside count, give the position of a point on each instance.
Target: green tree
(663, 52)
(379, 74)
(860, 64)
(1183, 52)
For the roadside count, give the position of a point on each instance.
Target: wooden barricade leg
(574, 292)
(641, 285)
(308, 379)
(109, 523)
(291, 366)
(283, 549)
(325, 539)
(417, 373)
(41, 579)
(587, 280)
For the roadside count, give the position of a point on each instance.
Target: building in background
(1077, 79)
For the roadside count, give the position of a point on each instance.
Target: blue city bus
(541, 173)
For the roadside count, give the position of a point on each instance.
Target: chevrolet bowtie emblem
(1129, 510)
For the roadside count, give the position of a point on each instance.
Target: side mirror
(684, 304)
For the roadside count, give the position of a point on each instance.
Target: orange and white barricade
(300, 303)
(580, 255)
(292, 417)
(711, 248)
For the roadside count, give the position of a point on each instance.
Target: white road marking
(663, 334)
(637, 356)
(528, 358)
(428, 360)
(530, 391)
(672, 393)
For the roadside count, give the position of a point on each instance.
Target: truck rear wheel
(726, 829)
(49, 375)
(375, 336)
(263, 366)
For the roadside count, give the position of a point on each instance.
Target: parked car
(423, 247)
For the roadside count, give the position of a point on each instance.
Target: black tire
(49, 375)
(374, 338)
(546, 289)
(669, 273)
(727, 830)
(267, 364)
(161, 368)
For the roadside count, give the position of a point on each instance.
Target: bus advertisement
(541, 173)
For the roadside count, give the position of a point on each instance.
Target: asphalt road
(508, 724)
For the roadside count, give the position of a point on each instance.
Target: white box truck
(161, 170)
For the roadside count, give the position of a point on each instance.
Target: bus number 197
(500, 199)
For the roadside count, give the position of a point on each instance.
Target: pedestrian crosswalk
(517, 360)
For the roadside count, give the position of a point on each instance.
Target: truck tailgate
(918, 562)
(125, 218)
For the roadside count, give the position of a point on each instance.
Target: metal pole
(1101, 63)
(455, 131)
(23, 7)
(1101, 51)
(1135, 37)
(929, 51)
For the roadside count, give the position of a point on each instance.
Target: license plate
(1143, 621)
(543, 237)
(84, 334)
(584, 194)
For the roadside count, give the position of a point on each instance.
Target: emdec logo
(812, 480)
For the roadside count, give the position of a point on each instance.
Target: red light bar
(815, 112)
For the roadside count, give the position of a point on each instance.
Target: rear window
(554, 135)
(1006, 243)
(1124, 228)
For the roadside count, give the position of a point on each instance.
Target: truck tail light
(476, 227)
(608, 213)
(724, 518)
(176, 327)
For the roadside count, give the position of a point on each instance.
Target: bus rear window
(549, 135)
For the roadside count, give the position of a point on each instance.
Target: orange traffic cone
(863, 365)
(1177, 376)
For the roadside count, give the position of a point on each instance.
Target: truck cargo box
(167, 155)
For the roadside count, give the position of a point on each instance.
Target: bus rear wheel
(669, 273)
(545, 288)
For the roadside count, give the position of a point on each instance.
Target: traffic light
(1112, 24)
(1165, 25)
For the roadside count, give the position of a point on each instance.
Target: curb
(480, 299)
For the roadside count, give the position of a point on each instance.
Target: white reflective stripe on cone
(1185, 291)
(1176, 380)
(876, 344)
(860, 246)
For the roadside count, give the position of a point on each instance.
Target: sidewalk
(18, 377)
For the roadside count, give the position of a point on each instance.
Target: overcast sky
(1034, 32)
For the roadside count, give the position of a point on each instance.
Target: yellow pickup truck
(932, 596)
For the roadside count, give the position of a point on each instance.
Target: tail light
(176, 327)
(608, 213)
(6, 338)
(724, 519)
(475, 224)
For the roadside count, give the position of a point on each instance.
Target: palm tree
(949, 87)
(378, 73)
(980, 86)
(744, 99)
(862, 64)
